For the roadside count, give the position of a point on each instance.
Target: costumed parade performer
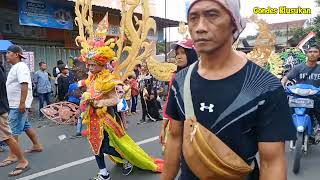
(106, 133)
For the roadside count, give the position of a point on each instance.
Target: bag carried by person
(207, 156)
(122, 106)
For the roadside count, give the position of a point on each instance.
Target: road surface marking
(75, 163)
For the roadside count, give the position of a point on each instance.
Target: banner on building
(45, 13)
(29, 60)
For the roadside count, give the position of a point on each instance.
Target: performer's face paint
(313, 54)
(210, 26)
(181, 57)
(94, 68)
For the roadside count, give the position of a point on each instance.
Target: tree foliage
(160, 47)
(300, 33)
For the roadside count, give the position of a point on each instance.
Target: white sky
(247, 10)
(248, 5)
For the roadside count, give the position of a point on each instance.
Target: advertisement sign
(45, 13)
(29, 60)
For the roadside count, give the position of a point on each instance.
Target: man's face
(43, 67)
(210, 26)
(313, 54)
(12, 57)
(94, 68)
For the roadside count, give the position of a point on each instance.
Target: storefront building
(46, 30)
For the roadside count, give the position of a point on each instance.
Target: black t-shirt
(243, 109)
(63, 86)
(4, 105)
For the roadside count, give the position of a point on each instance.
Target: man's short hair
(314, 46)
(41, 63)
(59, 62)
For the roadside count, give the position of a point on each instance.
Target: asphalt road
(71, 159)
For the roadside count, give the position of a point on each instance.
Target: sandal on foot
(18, 171)
(8, 162)
(33, 150)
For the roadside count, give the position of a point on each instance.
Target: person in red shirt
(134, 93)
(185, 56)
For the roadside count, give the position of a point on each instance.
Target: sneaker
(142, 121)
(100, 177)
(151, 118)
(127, 168)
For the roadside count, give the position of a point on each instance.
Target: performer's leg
(107, 149)
(103, 173)
(100, 161)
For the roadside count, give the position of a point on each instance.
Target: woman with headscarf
(185, 55)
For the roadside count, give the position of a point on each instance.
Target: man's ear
(234, 28)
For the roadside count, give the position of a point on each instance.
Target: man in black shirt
(241, 103)
(63, 82)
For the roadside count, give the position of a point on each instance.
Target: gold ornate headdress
(140, 49)
(263, 53)
(264, 43)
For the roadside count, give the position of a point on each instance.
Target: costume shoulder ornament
(133, 31)
(265, 56)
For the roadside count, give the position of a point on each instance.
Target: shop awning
(4, 44)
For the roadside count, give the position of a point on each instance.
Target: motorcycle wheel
(297, 153)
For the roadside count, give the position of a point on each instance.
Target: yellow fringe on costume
(99, 120)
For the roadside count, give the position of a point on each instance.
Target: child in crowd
(74, 95)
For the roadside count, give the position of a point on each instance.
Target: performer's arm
(173, 151)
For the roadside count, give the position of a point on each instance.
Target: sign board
(45, 13)
(29, 60)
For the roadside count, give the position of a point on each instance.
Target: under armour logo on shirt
(204, 107)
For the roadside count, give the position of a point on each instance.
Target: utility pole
(165, 33)
(287, 34)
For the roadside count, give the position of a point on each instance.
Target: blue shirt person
(43, 86)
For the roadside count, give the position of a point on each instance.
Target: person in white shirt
(20, 98)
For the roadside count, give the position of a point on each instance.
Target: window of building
(8, 28)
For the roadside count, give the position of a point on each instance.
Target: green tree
(160, 47)
(300, 33)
